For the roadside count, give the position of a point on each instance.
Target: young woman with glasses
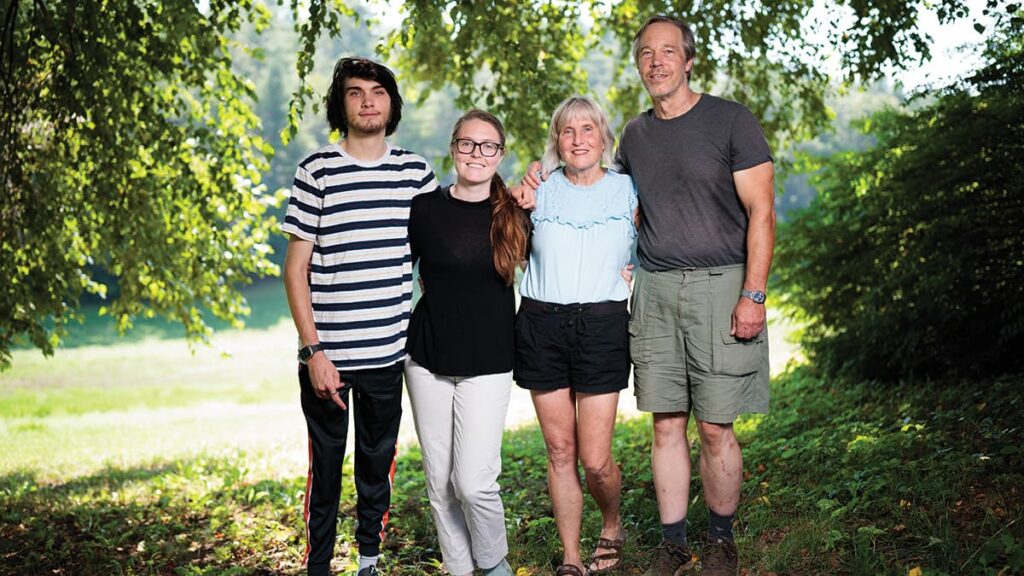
(467, 238)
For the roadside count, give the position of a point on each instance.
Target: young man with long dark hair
(348, 276)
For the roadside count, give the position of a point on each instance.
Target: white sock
(367, 561)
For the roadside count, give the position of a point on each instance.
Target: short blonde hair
(571, 108)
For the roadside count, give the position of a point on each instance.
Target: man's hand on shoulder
(748, 319)
(324, 376)
(525, 194)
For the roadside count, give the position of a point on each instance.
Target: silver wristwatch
(756, 295)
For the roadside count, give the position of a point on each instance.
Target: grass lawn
(138, 457)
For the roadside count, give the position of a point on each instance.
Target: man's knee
(670, 430)
(716, 437)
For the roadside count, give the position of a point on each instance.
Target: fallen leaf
(915, 571)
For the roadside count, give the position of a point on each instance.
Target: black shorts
(584, 347)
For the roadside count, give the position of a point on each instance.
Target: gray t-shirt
(683, 167)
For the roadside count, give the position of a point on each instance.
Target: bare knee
(716, 438)
(600, 469)
(562, 454)
(669, 431)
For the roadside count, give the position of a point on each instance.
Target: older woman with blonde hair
(572, 346)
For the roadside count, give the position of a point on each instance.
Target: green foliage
(844, 477)
(910, 261)
(131, 152)
(521, 58)
(844, 134)
(323, 15)
(761, 58)
(127, 144)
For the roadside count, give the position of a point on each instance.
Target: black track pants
(377, 402)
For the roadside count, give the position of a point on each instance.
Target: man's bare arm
(322, 373)
(756, 189)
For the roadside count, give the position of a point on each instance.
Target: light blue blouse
(582, 238)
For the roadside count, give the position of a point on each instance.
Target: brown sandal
(615, 553)
(569, 570)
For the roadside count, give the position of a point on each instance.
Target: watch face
(756, 295)
(305, 353)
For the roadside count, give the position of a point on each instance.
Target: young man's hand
(326, 381)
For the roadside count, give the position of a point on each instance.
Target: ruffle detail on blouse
(560, 202)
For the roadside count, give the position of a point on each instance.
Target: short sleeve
(634, 199)
(429, 182)
(417, 214)
(305, 206)
(748, 146)
(621, 164)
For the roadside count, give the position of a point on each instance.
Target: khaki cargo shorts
(683, 356)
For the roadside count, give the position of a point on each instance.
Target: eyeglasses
(466, 146)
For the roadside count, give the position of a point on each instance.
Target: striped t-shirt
(357, 213)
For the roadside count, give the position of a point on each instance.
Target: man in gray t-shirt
(704, 176)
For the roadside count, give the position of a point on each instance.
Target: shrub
(911, 260)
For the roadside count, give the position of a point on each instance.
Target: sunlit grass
(60, 448)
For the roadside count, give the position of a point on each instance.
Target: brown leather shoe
(671, 559)
(721, 558)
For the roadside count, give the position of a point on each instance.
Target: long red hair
(509, 224)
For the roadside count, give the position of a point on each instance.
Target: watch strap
(306, 352)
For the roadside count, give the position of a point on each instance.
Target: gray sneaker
(502, 569)
(720, 558)
(369, 571)
(671, 559)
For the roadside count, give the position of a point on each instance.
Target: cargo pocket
(732, 357)
(639, 343)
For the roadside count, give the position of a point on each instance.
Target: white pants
(460, 422)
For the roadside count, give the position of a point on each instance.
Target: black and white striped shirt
(357, 213)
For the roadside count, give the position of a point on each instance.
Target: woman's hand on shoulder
(627, 275)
